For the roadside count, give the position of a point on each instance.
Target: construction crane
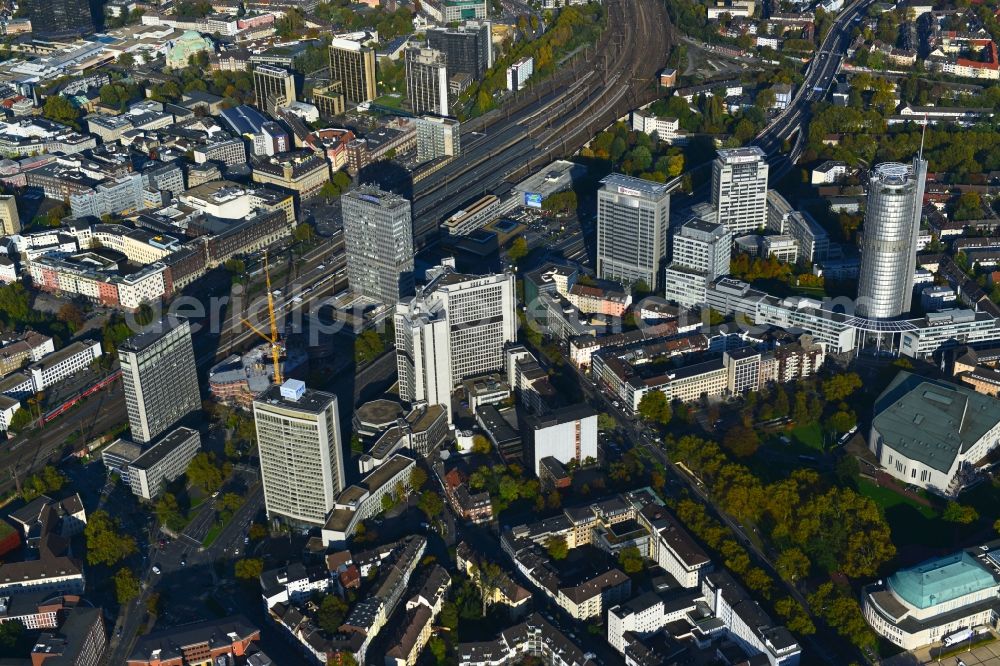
(273, 338)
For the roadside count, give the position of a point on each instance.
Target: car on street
(156, 570)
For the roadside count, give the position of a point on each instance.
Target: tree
(556, 547)
(792, 565)
(168, 512)
(960, 513)
(126, 586)
(21, 420)
(418, 477)
(841, 421)
(59, 109)
(606, 422)
(228, 504)
(655, 408)
(388, 502)
(249, 568)
(106, 542)
(439, 649)
(518, 249)
(126, 60)
(741, 440)
(11, 636)
(357, 445)
(304, 233)
(332, 611)
(630, 560)
(430, 503)
(203, 473)
(257, 531)
(449, 616)
(796, 618)
(841, 386)
(72, 316)
(480, 445)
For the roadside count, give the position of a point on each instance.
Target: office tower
(378, 234)
(468, 49)
(59, 18)
(426, 81)
(10, 222)
(301, 460)
(632, 219)
(273, 86)
(160, 377)
(739, 188)
(456, 327)
(889, 239)
(438, 137)
(354, 66)
(701, 252)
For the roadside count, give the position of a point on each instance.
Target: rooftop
(152, 334)
(940, 580)
(932, 421)
(311, 401)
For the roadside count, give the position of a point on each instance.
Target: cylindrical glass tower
(889, 239)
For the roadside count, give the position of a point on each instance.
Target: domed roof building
(188, 44)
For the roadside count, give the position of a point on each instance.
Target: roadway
(819, 77)
(184, 570)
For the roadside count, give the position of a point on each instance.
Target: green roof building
(935, 599)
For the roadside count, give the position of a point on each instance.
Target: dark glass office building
(467, 48)
(56, 19)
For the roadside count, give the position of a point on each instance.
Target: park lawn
(887, 498)
(390, 101)
(810, 436)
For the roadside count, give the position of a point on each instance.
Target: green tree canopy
(106, 541)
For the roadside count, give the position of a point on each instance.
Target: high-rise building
(701, 252)
(452, 11)
(10, 222)
(739, 188)
(301, 460)
(632, 219)
(889, 239)
(59, 18)
(273, 86)
(454, 328)
(378, 234)
(353, 65)
(426, 81)
(468, 48)
(438, 137)
(159, 376)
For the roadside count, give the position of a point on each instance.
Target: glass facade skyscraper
(632, 219)
(378, 234)
(889, 239)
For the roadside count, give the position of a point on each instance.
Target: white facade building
(454, 328)
(931, 434)
(301, 458)
(701, 252)
(739, 188)
(936, 599)
(519, 73)
(565, 434)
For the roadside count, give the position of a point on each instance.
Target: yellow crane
(273, 338)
